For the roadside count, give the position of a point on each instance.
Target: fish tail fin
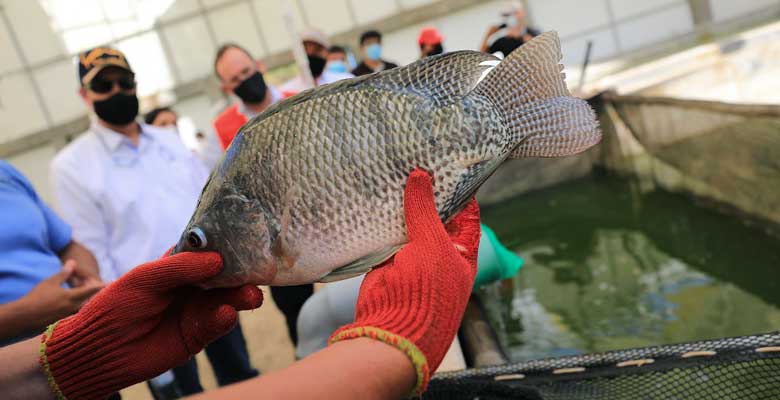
(528, 87)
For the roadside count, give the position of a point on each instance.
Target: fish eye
(196, 238)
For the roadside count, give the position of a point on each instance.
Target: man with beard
(316, 45)
(128, 190)
(430, 42)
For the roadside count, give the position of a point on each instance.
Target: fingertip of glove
(419, 180)
(419, 173)
(213, 260)
(250, 297)
(210, 263)
(168, 252)
(225, 317)
(472, 207)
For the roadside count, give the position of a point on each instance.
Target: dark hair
(370, 35)
(337, 49)
(221, 52)
(152, 115)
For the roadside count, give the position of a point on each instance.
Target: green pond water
(607, 267)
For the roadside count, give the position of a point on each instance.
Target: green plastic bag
(495, 262)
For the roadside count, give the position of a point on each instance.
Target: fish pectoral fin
(475, 174)
(282, 253)
(361, 265)
(280, 248)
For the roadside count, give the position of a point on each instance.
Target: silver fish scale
(337, 157)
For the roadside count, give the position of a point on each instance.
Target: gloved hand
(150, 320)
(415, 301)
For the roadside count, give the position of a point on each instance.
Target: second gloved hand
(415, 301)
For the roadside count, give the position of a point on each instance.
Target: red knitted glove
(150, 320)
(416, 300)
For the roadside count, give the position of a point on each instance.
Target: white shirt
(127, 205)
(297, 85)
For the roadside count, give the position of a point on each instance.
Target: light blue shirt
(31, 236)
(126, 204)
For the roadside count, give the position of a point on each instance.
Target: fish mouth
(179, 247)
(242, 263)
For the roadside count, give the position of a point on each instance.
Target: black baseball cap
(92, 61)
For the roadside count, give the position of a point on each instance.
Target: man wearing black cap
(128, 189)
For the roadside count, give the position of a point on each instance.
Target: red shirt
(228, 123)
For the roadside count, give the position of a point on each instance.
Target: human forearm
(20, 374)
(355, 369)
(17, 318)
(483, 46)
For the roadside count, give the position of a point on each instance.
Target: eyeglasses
(100, 85)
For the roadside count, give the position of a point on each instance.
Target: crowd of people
(125, 190)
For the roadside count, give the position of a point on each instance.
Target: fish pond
(609, 267)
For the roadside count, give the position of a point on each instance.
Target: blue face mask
(337, 66)
(374, 51)
(351, 61)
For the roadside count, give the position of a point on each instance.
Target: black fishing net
(741, 368)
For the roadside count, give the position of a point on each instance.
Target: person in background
(517, 32)
(371, 50)
(240, 74)
(129, 189)
(337, 60)
(164, 117)
(316, 45)
(161, 116)
(44, 275)
(430, 42)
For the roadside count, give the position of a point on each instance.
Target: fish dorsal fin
(444, 78)
(361, 265)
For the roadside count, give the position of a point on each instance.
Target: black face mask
(119, 109)
(437, 49)
(316, 65)
(252, 90)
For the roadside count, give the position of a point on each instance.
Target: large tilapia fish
(312, 189)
